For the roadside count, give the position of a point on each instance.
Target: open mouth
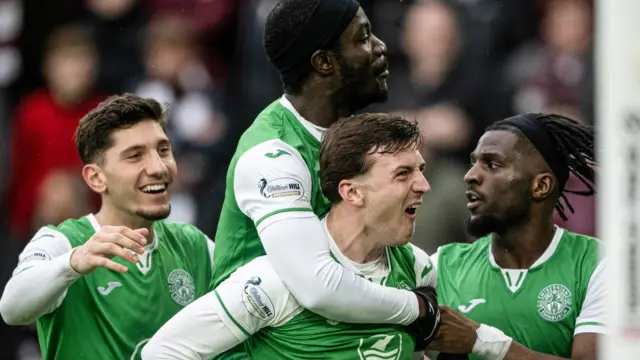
(411, 210)
(155, 188)
(474, 200)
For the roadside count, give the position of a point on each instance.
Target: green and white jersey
(253, 302)
(561, 295)
(273, 175)
(109, 315)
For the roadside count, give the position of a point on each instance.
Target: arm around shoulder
(273, 187)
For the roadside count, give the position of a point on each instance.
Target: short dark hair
(347, 144)
(576, 142)
(93, 136)
(283, 22)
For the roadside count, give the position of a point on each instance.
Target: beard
(483, 225)
(354, 90)
(155, 215)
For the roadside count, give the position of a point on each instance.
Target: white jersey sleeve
(273, 186)
(592, 315)
(43, 265)
(434, 262)
(211, 247)
(254, 297)
(272, 179)
(425, 271)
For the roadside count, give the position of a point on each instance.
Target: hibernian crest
(554, 302)
(181, 287)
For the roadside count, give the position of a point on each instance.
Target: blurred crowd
(455, 66)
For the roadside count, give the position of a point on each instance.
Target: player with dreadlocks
(526, 289)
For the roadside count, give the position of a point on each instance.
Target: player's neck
(350, 236)
(316, 108)
(109, 217)
(518, 247)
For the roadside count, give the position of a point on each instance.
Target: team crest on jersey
(554, 302)
(181, 287)
(281, 188)
(256, 301)
(381, 347)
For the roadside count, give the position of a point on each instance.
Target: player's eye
(491, 165)
(134, 156)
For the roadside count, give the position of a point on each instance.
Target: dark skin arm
(457, 335)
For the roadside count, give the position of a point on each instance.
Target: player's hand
(429, 321)
(110, 241)
(457, 333)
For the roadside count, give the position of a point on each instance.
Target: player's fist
(427, 325)
(110, 241)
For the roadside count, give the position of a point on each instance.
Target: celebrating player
(371, 170)
(102, 285)
(331, 65)
(541, 285)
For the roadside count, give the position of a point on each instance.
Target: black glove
(426, 327)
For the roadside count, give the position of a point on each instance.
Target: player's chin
(155, 212)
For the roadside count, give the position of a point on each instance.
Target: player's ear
(95, 178)
(322, 62)
(542, 186)
(350, 192)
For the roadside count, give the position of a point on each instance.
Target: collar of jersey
(340, 258)
(546, 255)
(96, 227)
(316, 131)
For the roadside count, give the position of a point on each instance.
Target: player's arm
(252, 298)
(298, 247)
(50, 265)
(42, 265)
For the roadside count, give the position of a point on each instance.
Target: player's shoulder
(270, 124)
(577, 240)
(451, 254)
(77, 231)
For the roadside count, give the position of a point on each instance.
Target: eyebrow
(487, 154)
(139, 147)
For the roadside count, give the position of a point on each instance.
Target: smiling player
(100, 286)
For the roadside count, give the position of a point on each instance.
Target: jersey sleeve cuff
(229, 321)
(280, 214)
(590, 327)
(65, 264)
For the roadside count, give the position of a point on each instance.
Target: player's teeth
(148, 188)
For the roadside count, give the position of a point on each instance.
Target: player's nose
(422, 185)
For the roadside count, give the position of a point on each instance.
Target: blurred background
(455, 66)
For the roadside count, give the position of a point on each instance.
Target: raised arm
(273, 186)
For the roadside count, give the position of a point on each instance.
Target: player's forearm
(36, 290)
(518, 351)
(299, 251)
(196, 332)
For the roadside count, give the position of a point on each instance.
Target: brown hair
(117, 112)
(347, 144)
